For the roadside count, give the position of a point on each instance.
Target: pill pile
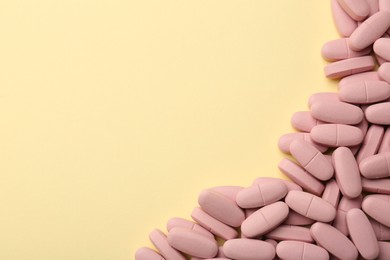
(337, 204)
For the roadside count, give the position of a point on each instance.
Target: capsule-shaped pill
(365, 76)
(347, 172)
(365, 92)
(344, 23)
(381, 231)
(362, 234)
(384, 72)
(382, 48)
(322, 97)
(377, 208)
(289, 184)
(183, 223)
(228, 191)
(384, 250)
(304, 121)
(333, 241)
(342, 68)
(160, 241)
(381, 186)
(357, 9)
(289, 232)
(376, 166)
(339, 50)
(379, 113)
(335, 135)
(296, 219)
(310, 206)
(337, 112)
(285, 141)
(145, 253)
(261, 194)
(192, 243)
(311, 160)
(249, 249)
(340, 222)
(293, 250)
(371, 142)
(221, 208)
(265, 219)
(369, 31)
(331, 193)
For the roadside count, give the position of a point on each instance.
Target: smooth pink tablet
(272, 242)
(339, 50)
(379, 113)
(344, 23)
(377, 208)
(296, 219)
(340, 222)
(301, 177)
(385, 145)
(342, 68)
(310, 206)
(228, 191)
(376, 166)
(292, 250)
(382, 48)
(384, 72)
(214, 226)
(347, 172)
(365, 92)
(331, 193)
(365, 76)
(192, 243)
(377, 186)
(261, 194)
(221, 207)
(265, 219)
(180, 222)
(322, 97)
(384, 5)
(311, 159)
(289, 232)
(374, 6)
(303, 121)
(289, 184)
(362, 234)
(381, 231)
(369, 31)
(249, 249)
(337, 112)
(285, 141)
(145, 253)
(160, 241)
(333, 241)
(357, 9)
(384, 250)
(371, 142)
(335, 135)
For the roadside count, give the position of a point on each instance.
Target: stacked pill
(337, 204)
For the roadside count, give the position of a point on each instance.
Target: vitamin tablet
(339, 50)
(249, 249)
(335, 135)
(285, 141)
(371, 142)
(296, 219)
(365, 76)
(323, 97)
(346, 204)
(292, 250)
(304, 121)
(180, 222)
(377, 208)
(365, 92)
(337, 112)
(382, 48)
(357, 9)
(331, 193)
(290, 232)
(350, 66)
(384, 72)
(344, 23)
(378, 113)
(376, 186)
(376, 166)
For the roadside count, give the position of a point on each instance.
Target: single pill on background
(180, 222)
(340, 221)
(377, 208)
(335, 135)
(339, 50)
(364, 76)
(145, 253)
(304, 121)
(365, 92)
(337, 112)
(344, 23)
(249, 249)
(382, 48)
(293, 250)
(160, 241)
(342, 68)
(290, 232)
(378, 113)
(357, 9)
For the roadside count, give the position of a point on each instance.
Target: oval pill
(340, 221)
(145, 253)
(310, 206)
(362, 234)
(285, 141)
(342, 68)
(304, 121)
(377, 208)
(296, 219)
(376, 166)
(331, 193)
(261, 194)
(371, 142)
(370, 30)
(322, 97)
(192, 243)
(339, 50)
(337, 112)
(265, 219)
(377, 186)
(374, 6)
(289, 184)
(365, 92)
(160, 241)
(289, 232)
(344, 23)
(382, 48)
(249, 249)
(365, 76)
(180, 222)
(333, 241)
(357, 9)
(384, 72)
(228, 191)
(334, 135)
(347, 172)
(294, 250)
(379, 113)
(311, 159)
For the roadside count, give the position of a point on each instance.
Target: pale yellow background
(115, 114)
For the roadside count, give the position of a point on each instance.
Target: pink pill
(384, 72)
(221, 208)
(145, 253)
(382, 48)
(192, 243)
(371, 142)
(228, 191)
(289, 184)
(301, 177)
(347, 172)
(160, 241)
(304, 121)
(331, 193)
(377, 186)
(376, 166)
(296, 219)
(272, 242)
(362, 234)
(370, 30)
(183, 223)
(340, 222)
(344, 23)
(365, 76)
(365, 92)
(265, 219)
(285, 141)
(384, 251)
(249, 249)
(310, 206)
(378, 113)
(311, 159)
(292, 250)
(337, 112)
(377, 208)
(357, 9)
(289, 232)
(379, 59)
(335, 135)
(339, 50)
(333, 241)
(322, 97)
(381, 231)
(374, 6)
(384, 5)
(385, 145)
(261, 194)
(342, 68)
(213, 225)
